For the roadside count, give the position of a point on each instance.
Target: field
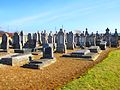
(53, 76)
(104, 76)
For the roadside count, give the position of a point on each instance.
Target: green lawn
(104, 76)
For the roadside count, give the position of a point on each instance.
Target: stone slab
(22, 50)
(95, 49)
(3, 50)
(16, 60)
(39, 64)
(80, 52)
(90, 56)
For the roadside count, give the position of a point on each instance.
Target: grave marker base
(39, 64)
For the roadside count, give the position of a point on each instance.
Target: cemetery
(52, 59)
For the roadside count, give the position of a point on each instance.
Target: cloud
(27, 19)
(66, 12)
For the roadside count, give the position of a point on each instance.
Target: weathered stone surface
(16, 60)
(40, 64)
(16, 41)
(103, 45)
(70, 40)
(50, 38)
(5, 42)
(95, 49)
(48, 53)
(80, 52)
(44, 37)
(61, 47)
(22, 51)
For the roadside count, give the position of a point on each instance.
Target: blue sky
(34, 15)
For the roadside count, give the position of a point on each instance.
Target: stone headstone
(44, 37)
(82, 40)
(50, 38)
(94, 49)
(45, 45)
(77, 39)
(39, 38)
(98, 39)
(29, 37)
(16, 41)
(31, 44)
(5, 41)
(22, 38)
(114, 39)
(70, 40)
(55, 37)
(92, 39)
(88, 43)
(107, 37)
(48, 53)
(35, 39)
(80, 52)
(61, 47)
(103, 45)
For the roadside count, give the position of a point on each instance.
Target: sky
(51, 15)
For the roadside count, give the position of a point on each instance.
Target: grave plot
(103, 45)
(95, 49)
(25, 50)
(15, 60)
(3, 50)
(39, 64)
(46, 60)
(86, 54)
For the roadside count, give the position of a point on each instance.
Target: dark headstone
(5, 41)
(47, 53)
(103, 45)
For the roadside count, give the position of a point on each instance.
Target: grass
(104, 76)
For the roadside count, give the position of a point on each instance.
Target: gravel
(55, 75)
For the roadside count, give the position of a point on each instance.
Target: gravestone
(103, 45)
(55, 37)
(39, 38)
(88, 43)
(77, 39)
(61, 47)
(98, 39)
(29, 37)
(86, 54)
(16, 41)
(50, 38)
(82, 40)
(30, 42)
(44, 37)
(70, 40)
(94, 49)
(22, 38)
(35, 39)
(45, 45)
(5, 41)
(107, 37)
(114, 39)
(15, 60)
(54, 41)
(46, 60)
(92, 39)
(48, 53)
(80, 52)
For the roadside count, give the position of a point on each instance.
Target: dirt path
(58, 74)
